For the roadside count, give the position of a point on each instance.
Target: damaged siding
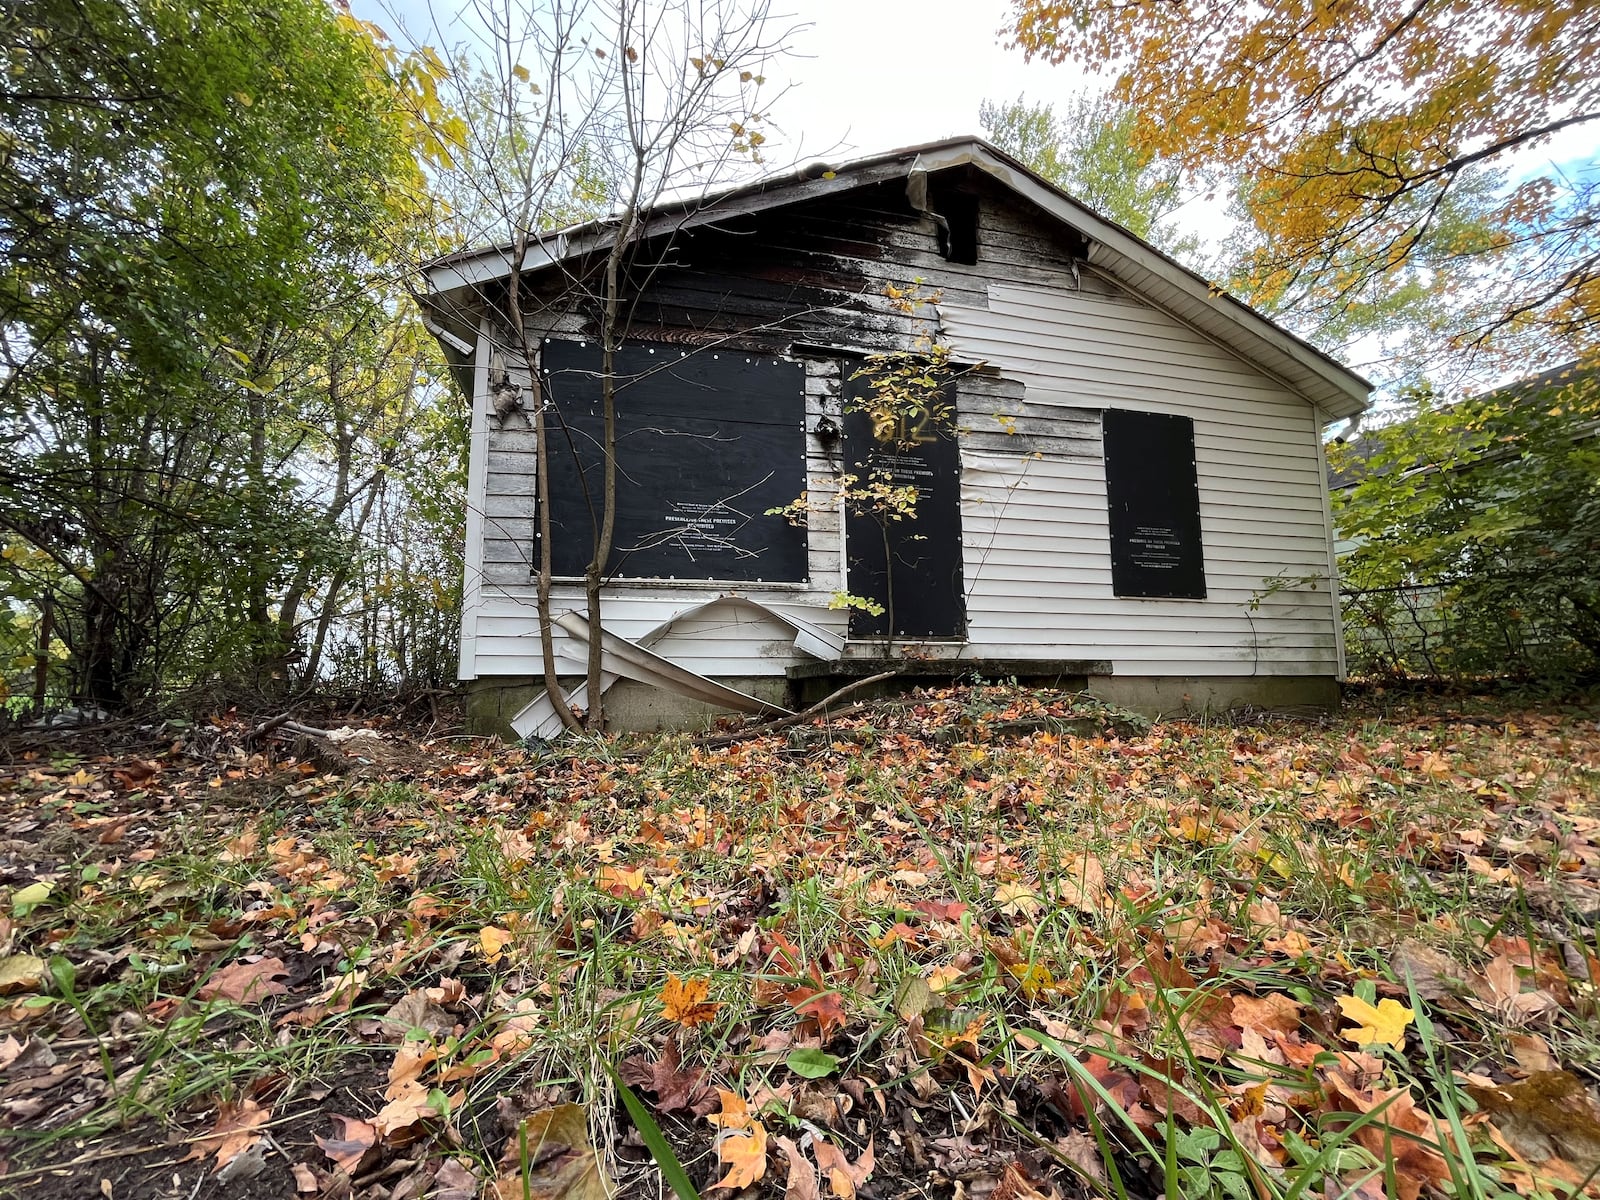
(1061, 342)
(737, 642)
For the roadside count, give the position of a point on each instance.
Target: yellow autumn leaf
(493, 940)
(25, 899)
(1386, 1023)
(686, 1003)
(1018, 900)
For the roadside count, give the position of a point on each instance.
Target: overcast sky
(866, 75)
(879, 74)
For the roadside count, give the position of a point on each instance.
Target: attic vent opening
(958, 225)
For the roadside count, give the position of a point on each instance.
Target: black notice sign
(911, 566)
(1153, 498)
(707, 441)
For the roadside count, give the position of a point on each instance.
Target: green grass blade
(655, 1141)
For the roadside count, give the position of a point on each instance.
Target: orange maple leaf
(820, 1003)
(735, 1112)
(686, 1003)
(744, 1153)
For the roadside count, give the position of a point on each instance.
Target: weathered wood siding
(1061, 343)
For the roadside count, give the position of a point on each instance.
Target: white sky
(866, 75)
(879, 74)
(873, 75)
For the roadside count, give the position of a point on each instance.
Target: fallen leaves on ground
(844, 1176)
(1383, 1023)
(950, 938)
(686, 1003)
(247, 982)
(236, 1130)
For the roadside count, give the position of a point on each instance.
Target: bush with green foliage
(1475, 535)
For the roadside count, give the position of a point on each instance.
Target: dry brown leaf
(1547, 1116)
(1081, 1150)
(409, 1103)
(514, 1029)
(843, 1176)
(1082, 883)
(233, 1134)
(449, 991)
(1532, 1052)
(246, 982)
(1014, 1185)
(1275, 1012)
(241, 847)
(411, 1059)
(560, 1163)
(455, 1181)
(305, 1179)
(416, 1013)
(1400, 1133)
(1433, 974)
(802, 1184)
(353, 1139)
(1501, 991)
(21, 972)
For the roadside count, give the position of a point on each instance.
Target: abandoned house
(1120, 488)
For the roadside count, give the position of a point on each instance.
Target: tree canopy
(1387, 148)
(197, 205)
(1473, 530)
(1089, 150)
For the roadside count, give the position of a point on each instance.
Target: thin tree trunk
(541, 469)
(595, 574)
(41, 662)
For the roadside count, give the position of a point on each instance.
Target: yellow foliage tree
(1391, 150)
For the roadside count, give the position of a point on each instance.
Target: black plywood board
(1153, 499)
(707, 441)
(922, 558)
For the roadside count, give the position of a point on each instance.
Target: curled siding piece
(621, 658)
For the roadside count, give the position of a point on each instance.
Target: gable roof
(1336, 391)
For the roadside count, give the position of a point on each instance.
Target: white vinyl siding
(1037, 542)
(1059, 347)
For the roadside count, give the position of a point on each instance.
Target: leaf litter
(978, 942)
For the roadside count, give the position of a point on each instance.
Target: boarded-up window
(1153, 498)
(707, 441)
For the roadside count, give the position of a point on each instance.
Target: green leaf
(811, 1063)
(25, 900)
